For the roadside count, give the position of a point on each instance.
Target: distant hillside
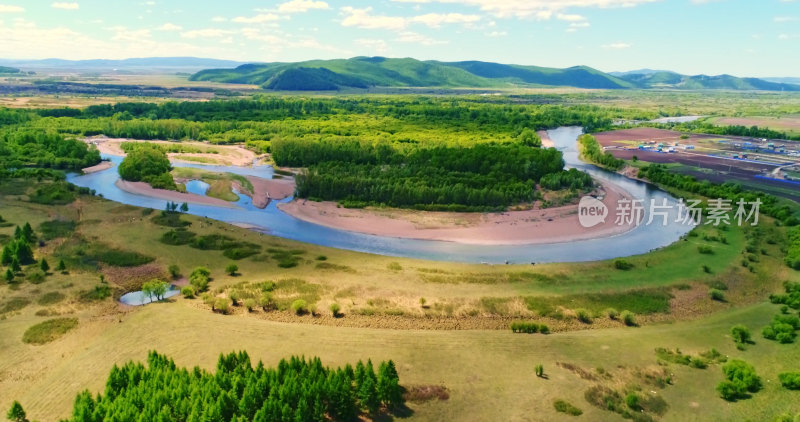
(146, 63)
(365, 72)
(665, 79)
(8, 70)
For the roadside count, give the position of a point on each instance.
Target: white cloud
(538, 9)
(416, 38)
(205, 33)
(435, 20)
(169, 27)
(781, 19)
(361, 18)
(495, 34)
(570, 18)
(617, 46)
(379, 46)
(219, 19)
(262, 18)
(788, 36)
(65, 6)
(4, 8)
(299, 6)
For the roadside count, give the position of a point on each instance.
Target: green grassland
(488, 371)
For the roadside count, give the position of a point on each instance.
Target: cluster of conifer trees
(297, 390)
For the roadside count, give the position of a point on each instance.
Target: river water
(277, 223)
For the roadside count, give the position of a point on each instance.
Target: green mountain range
(366, 72)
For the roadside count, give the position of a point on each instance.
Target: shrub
(36, 276)
(632, 401)
(221, 305)
(622, 264)
(717, 295)
(394, 266)
(741, 335)
(705, 249)
(322, 258)
(539, 370)
(188, 292)
(741, 379)
(47, 331)
(174, 271)
(249, 304)
(199, 278)
(299, 307)
(583, 316)
(335, 310)
(99, 292)
(612, 313)
(51, 298)
(782, 329)
(790, 380)
(629, 318)
(565, 407)
(231, 269)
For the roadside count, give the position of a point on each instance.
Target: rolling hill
(365, 72)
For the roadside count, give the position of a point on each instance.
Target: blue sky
(739, 37)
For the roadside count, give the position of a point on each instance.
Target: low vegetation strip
(592, 151)
(50, 330)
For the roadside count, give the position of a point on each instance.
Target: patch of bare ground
(425, 393)
(132, 278)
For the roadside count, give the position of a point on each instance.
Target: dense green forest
(399, 119)
(45, 149)
(478, 178)
(752, 131)
(297, 390)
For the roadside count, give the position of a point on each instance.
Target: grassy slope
(489, 373)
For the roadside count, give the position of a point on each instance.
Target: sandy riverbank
(227, 155)
(546, 141)
(536, 226)
(144, 189)
(265, 190)
(104, 165)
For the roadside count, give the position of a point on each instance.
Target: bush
(790, 380)
(622, 264)
(47, 331)
(539, 370)
(335, 310)
(782, 329)
(611, 313)
(394, 266)
(249, 304)
(628, 318)
(632, 401)
(231, 269)
(741, 379)
(322, 258)
(583, 316)
(199, 278)
(299, 307)
(36, 276)
(188, 292)
(741, 335)
(221, 305)
(51, 298)
(705, 249)
(565, 407)
(529, 327)
(174, 271)
(717, 295)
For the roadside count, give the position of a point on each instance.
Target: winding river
(274, 222)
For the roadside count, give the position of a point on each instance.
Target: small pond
(138, 298)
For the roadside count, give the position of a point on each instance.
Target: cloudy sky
(740, 37)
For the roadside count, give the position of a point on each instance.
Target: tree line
(44, 149)
(484, 177)
(298, 389)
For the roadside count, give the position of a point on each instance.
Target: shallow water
(138, 298)
(277, 223)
